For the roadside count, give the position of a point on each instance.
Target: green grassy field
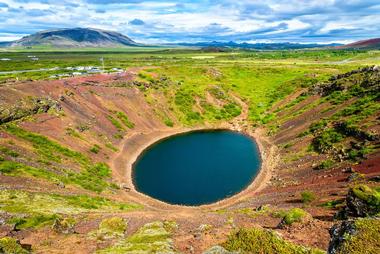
(260, 78)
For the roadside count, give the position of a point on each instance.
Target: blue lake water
(198, 167)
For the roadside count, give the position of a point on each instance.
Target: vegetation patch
(9, 245)
(49, 204)
(292, 216)
(259, 241)
(364, 237)
(151, 238)
(307, 196)
(124, 119)
(114, 227)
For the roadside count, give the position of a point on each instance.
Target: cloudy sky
(153, 21)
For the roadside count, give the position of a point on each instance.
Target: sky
(169, 21)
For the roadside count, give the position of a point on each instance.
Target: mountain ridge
(75, 38)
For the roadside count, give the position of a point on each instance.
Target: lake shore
(135, 143)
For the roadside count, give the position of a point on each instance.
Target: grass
(124, 119)
(115, 123)
(34, 221)
(46, 148)
(91, 177)
(254, 240)
(9, 152)
(22, 202)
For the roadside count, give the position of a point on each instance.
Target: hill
(73, 38)
(364, 44)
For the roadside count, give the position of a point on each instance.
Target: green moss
(9, 245)
(333, 204)
(151, 238)
(370, 195)
(365, 240)
(259, 241)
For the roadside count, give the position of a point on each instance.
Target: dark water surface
(197, 167)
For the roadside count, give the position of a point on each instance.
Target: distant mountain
(259, 46)
(364, 44)
(74, 38)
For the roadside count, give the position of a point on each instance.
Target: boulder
(361, 201)
(339, 234)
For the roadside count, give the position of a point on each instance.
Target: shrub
(95, 149)
(168, 122)
(326, 164)
(294, 215)
(307, 196)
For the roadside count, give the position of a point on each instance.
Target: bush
(294, 215)
(95, 149)
(307, 196)
(168, 122)
(326, 164)
(10, 245)
(326, 140)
